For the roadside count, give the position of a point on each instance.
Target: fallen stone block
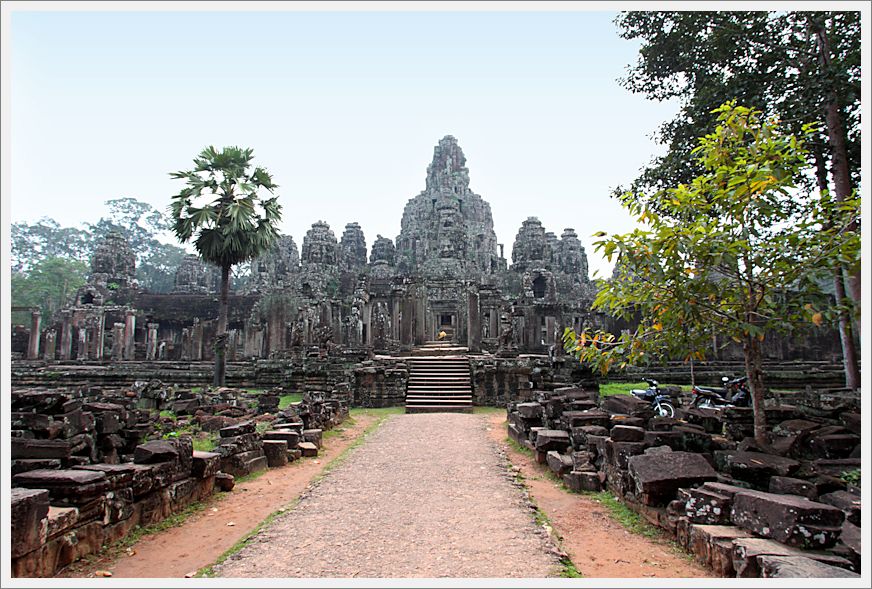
(314, 436)
(578, 435)
(757, 468)
(276, 452)
(789, 519)
(748, 551)
(619, 453)
(73, 486)
(628, 405)
(709, 419)
(657, 477)
(239, 429)
(290, 437)
(673, 439)
(156, 451)
(205, 464)
(832, 446)
(625, 433)
(552, 439)
(791, 486)
(559, 463)
(530, 410)
(308, 449)
(590, 417)
(26, 464)
(582, 481)
(793, 567)
(61, 520)
(847, 502)
(713, 546)
(30, 448)
(849, 545)
(708, 507)
(29, 508)
(225, 482)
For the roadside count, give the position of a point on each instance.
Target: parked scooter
(659, 400)
(734, 394)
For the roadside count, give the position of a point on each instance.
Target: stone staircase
(439, 379)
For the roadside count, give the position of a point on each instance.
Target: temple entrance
(447, 323)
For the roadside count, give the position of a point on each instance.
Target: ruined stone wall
(745, 509)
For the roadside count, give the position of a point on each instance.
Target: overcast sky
(343, 108)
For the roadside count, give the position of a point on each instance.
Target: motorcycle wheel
(666, 410)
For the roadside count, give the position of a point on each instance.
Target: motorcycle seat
(708, 390)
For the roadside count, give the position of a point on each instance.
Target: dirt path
(428, 495)
(597, 545)
(205, 536)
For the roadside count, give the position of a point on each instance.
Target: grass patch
(569, 571)
(286, 400)
(487, 410)
(521, 449)
(625, 516)
(166, 413)
(205, 443)
(624, 388)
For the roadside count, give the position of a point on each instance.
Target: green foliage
(852, 477)
(624, 515)
(741, 261)
(220, 209)
(286, 400)
(767, 60)
(206, 442)
(167, 413)
(49, 285)
(623, 388)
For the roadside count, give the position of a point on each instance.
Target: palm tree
(229, 222)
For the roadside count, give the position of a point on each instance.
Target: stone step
(442, 394)
(437, 409)
(438, 401)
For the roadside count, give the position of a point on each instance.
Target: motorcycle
(735, 394)
(659, 400)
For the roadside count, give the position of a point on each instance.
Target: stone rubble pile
(85, 473)
(746, 511)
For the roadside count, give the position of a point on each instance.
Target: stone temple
(446, 271)
(331, 312)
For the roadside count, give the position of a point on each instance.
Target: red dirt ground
(203, 537)
(597, 545)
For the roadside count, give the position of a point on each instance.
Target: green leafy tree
(800, 66)
(49, 285)
(221, 209)
(734, 252)
(34, 242)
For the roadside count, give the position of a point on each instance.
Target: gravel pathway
(427, 495)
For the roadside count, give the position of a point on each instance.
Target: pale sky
(343, 108)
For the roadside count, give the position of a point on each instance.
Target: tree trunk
(846, 335)
(219, 377)
(846, 331)
(838, 148)
(754, 369)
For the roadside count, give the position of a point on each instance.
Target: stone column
(151, 341)
(232, 339)
(117, 342)
(408, 312)
(420, 318)
(197, 341)
(99, 336)
(129, 330)
(66, 335)
(186, 343)
(550, 326)
(50, 345)
(82, 350)
(33, 342)
(473, 324)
